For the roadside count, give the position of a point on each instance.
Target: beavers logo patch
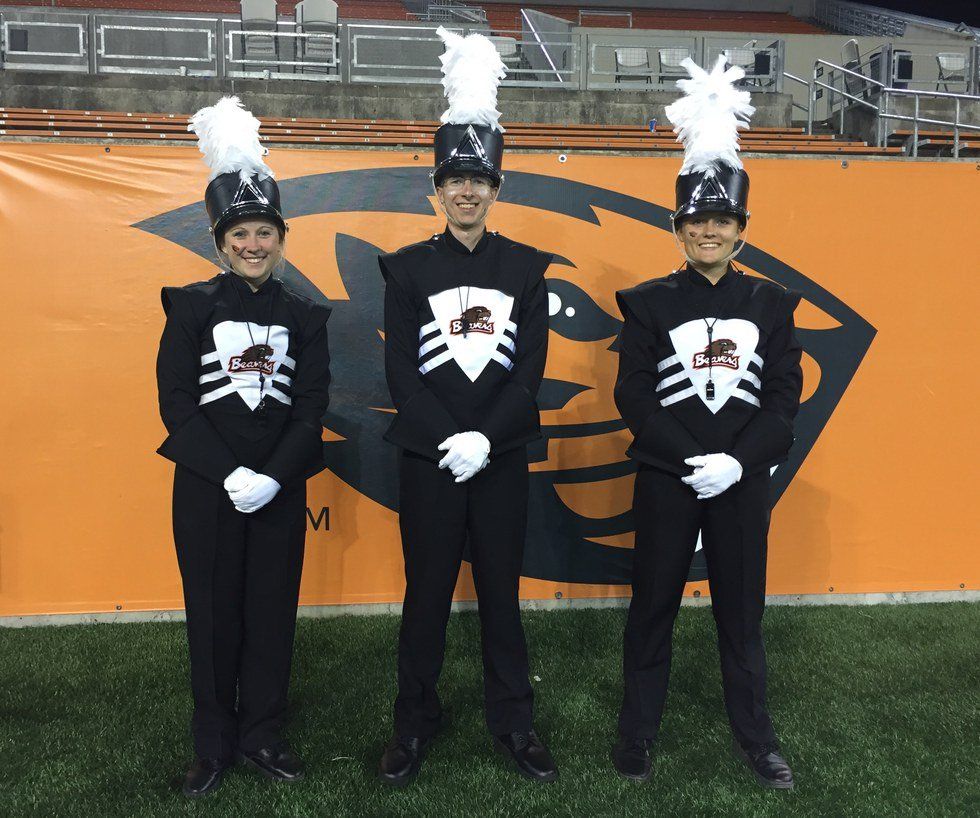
(254, 359)
(475, 319)
(717, 353)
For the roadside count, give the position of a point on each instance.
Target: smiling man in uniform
(466, 335)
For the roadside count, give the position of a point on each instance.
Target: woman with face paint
(243, 371)
(709, 384)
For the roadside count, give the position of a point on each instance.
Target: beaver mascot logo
(580, 526)
(475, 319)
(717, 353)
(254, 359)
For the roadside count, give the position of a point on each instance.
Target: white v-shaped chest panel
(476, 349)
(734, 340)
(231, 339)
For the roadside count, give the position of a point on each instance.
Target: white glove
(238, 478)
(258, 490)
(466, 454)
(713, 474)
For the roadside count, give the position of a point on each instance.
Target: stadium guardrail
(885, 94)
(411, 54)
(282, 54)
(44, 41)
(128, 44)
(194, 45)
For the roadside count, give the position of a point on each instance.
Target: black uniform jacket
(466, 337)
(208, 372)
(665, 363)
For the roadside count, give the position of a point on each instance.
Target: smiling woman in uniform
(243, 371)
(709, 384)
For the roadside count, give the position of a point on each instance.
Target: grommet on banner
(562, 158)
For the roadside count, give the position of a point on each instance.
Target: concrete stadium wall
(23, 89)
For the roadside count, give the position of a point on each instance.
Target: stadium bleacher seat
(128, 125)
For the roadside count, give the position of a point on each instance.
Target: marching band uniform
(243, 379)
(444, 381)
(466, 335)
(707, 374)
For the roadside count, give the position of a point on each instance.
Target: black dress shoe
(203, 776)
(770, 768)
(401, 760)
(530, 755)
(631, 758)
(278, 763)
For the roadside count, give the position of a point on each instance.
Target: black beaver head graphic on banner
(576, 533)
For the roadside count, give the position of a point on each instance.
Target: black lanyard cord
(268, 330)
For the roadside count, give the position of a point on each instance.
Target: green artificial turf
(877, 709)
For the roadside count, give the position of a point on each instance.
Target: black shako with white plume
(471, 138)
(241, 185)
(707, 120)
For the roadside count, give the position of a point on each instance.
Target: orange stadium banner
(877, 495)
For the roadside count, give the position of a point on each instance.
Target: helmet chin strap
(683, 249)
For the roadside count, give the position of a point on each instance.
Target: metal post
(809, 108)
(956, 130)
(344, 54)
(915, 128)
(880, 125)
(780, 64)
(92, 35)
(974, 86)
(843, 101)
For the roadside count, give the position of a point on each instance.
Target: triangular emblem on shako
(247, 186)
(710, 188)
(470, 145)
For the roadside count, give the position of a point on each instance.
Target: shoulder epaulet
(652, 285)
(198, 292)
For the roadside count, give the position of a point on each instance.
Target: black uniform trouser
(436, 517)
(241, 576)
(734, 527)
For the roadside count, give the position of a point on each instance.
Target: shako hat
(471, 138)
(241, 185)
(707, 120)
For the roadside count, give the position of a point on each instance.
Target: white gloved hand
(466, 454)
(258, 490)
(238, 478)
(713, 474)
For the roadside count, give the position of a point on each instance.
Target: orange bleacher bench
(120, 125)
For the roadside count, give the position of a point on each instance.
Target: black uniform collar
(270, 285)
(454, 244)
(698, 280)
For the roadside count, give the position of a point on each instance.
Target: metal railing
(196, 45)
(379, 53)
(257, 54)
(885, 93)
(808, 108)
(143, 45)
(63, 37)
(617, 61)
(762, 66)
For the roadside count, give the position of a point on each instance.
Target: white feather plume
(228, 136)
(471, 71)
(708, 117)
